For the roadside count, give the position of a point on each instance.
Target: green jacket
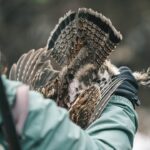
(48, 126)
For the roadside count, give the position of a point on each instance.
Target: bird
(74, 68)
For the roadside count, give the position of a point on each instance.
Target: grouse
(73, 68)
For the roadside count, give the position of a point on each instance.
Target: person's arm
(48, 126)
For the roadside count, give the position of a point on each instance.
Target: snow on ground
(141, 142)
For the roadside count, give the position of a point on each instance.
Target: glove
(129, 87)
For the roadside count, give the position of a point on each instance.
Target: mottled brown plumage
(73, 68)
(89, 98)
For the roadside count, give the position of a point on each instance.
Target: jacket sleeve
(48, 126)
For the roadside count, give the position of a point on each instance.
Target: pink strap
(20, 110)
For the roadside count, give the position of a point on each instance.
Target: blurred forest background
(25, 25)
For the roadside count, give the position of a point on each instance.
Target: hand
(129, 88)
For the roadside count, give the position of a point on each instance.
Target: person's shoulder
(10, 87)
(10, 83)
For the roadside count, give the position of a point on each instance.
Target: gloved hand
(129, 88)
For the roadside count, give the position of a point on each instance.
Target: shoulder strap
(20, 110)
(9, 127)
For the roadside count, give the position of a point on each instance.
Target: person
(48, 127)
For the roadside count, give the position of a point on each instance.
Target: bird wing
(83, 107)
(33, 68)
(106, 93)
